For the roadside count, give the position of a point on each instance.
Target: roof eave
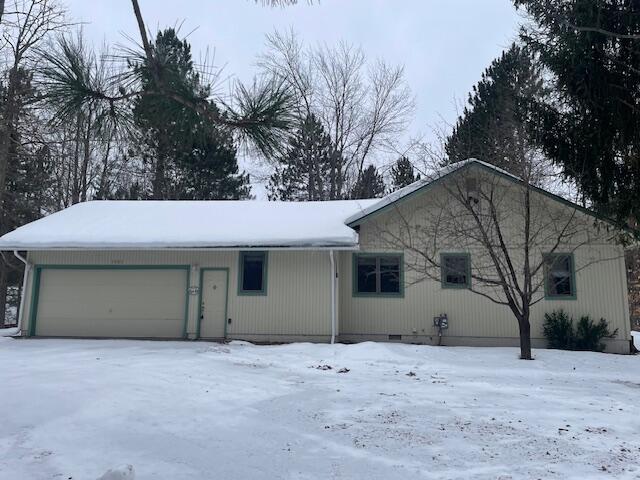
(35, 248)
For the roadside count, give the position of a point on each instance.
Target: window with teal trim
(378, 275)
(455, 270)
(253, 273)
(559, 276)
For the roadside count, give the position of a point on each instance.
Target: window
(559, 282)
(455, 270)
(378, 275)
(252, 278)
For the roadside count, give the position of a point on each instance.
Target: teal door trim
(35, 294)
(226, 297)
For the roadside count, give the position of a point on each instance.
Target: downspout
(25, 277)
(333, 297)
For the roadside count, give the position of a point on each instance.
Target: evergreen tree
(369, 185)
(211, 171)
(305, 172)
(190, 158)
(495, 123)
(402, 174)
(591, 128)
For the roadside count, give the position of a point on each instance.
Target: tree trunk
(10, 114)
(75, 186)
(525, 337)
(104, 179)
(159, 179)
(4, 284)
(85, 160)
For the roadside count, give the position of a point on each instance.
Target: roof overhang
(41, 248)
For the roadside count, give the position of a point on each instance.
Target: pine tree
(369, 185)
(402, 174)
(591, 127)
(190, 157)
(211, 171)
(305, 172)
(496, 121)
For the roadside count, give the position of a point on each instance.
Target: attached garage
(110, 301)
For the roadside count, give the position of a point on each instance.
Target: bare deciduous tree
(364, 106)
(30, 22)
(510, 230)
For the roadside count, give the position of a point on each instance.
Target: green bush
(589, 334)
(559, 331)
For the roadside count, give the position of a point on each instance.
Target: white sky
(443, 44)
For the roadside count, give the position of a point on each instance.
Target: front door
(214, 303)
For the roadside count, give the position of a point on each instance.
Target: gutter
(120, 248)
(333, 297)
(27, 268)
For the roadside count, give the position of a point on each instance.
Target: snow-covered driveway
(73, 409)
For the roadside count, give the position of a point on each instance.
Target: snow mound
(125, 472)
(8, 332)
(636, 339)
(240, 343)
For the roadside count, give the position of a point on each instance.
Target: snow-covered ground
(636, 339)
(76, 409)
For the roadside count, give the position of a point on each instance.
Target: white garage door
(111, 302)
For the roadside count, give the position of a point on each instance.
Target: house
(307, 271)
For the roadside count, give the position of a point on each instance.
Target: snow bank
(191, 224)
(636, 339)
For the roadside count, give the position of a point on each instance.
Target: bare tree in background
(510, 229)
(365, 107)
(25, 28)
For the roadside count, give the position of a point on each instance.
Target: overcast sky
(443, 44)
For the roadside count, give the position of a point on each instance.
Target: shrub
(589, 334)
(559, 331)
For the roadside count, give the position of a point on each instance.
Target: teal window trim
(265, 271)
(354, 275)
(35, 294)
(547, 291)
(455, 286)
(226, 298)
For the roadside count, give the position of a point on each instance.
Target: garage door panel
(111, 303)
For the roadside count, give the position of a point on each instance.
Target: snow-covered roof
(423, 182)
(190, 224)
(214, 224)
